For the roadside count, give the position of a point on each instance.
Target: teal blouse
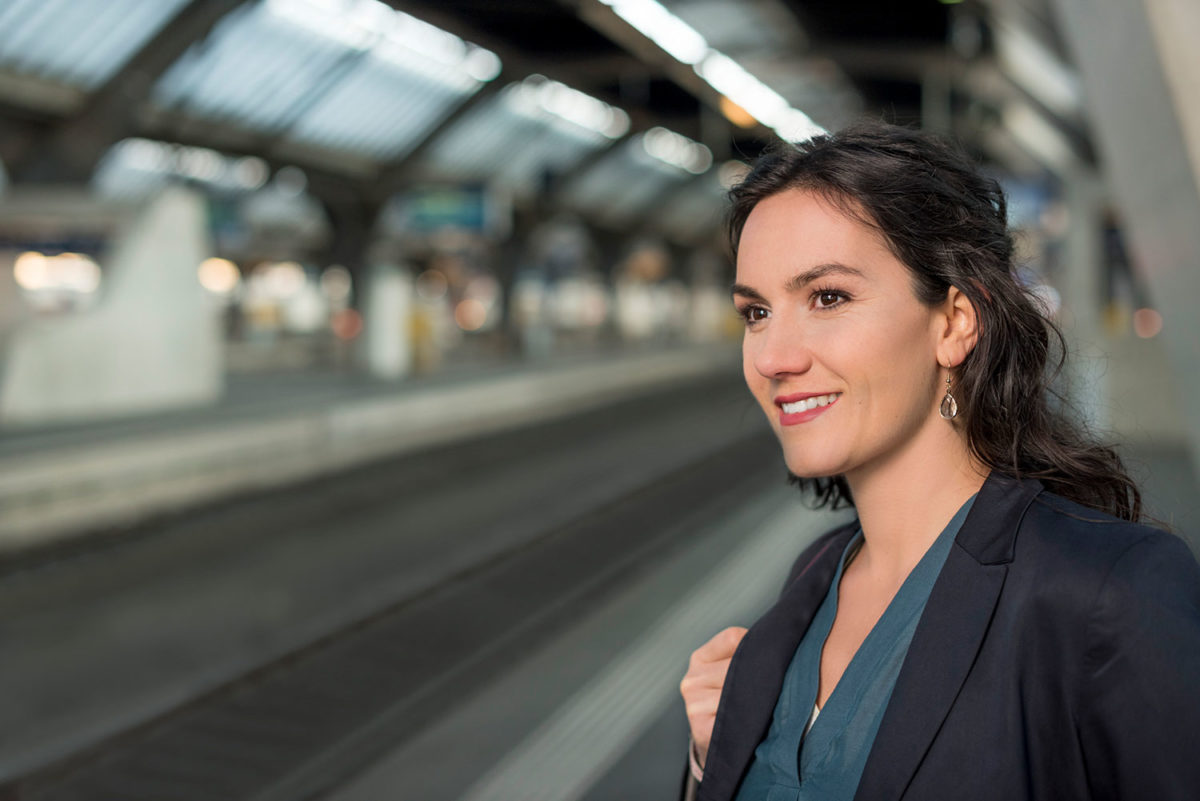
(826, 763)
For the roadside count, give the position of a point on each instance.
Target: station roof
(78, 43)
(603, 100)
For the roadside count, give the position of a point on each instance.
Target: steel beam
(393, 174)
(70, 153)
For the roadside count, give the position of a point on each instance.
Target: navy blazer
(1058, 657)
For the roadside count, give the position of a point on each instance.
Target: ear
(957, 328)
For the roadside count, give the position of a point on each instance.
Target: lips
(802, 407)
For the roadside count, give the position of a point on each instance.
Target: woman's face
(838, 351)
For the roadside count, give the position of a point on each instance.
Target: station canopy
(529, 129)
(360, 79)
(349, 86)
(603, 99)
(639, 175)
(80, 44)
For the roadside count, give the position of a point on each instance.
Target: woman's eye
(753, 314)
(828, 298)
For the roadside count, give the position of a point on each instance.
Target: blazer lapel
(948, 636)
(756, 671)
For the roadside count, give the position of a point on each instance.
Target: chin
(807, 468)
(815, 457)
(796, 478)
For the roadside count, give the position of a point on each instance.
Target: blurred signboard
(429, 209)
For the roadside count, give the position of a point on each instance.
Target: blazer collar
(989, 533)
(948, 636)
(938, 660)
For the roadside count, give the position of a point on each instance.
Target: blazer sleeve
(1139, 708)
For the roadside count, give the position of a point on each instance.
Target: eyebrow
(801, 280)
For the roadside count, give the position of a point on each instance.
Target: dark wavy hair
(949, 225)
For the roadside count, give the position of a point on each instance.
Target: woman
(995, 624)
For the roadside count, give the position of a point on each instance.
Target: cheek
(754, 379)
(906, 369)
(896, 362)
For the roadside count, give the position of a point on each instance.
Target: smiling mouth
(809, 403)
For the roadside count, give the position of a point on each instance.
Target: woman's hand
(701, 686)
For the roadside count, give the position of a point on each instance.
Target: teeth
(810, 403)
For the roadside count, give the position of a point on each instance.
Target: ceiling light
(537, 96)
(663, 28)
(677, 150)
(765, 104)
(732, 173)
(482, 65)
(736, 114)
(741, 91)
(332, 19)
(393, 36)
(793, 125)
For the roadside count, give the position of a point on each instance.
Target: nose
(777, 352)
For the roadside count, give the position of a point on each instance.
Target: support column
(151, 343)
(1083, 257)
(1136, 62)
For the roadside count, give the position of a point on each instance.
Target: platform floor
(265, 394)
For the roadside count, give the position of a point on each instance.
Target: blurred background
(371, 422)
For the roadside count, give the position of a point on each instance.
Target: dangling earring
(949, 408)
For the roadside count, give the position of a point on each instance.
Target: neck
(905, 504)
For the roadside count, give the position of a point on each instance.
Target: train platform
(58, 483)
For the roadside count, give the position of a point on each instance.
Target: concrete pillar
(1140, 72)
(1083, 260)
(388, 321)
(152, 342)
(1175, 25)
